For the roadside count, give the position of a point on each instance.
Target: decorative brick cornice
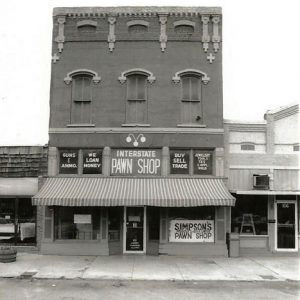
(135, 11)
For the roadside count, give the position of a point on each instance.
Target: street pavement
(153, 268)
(80, 289)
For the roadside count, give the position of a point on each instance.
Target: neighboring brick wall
(23, 161)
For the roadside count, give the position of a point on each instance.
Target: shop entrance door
(134, 229)
(286, 229)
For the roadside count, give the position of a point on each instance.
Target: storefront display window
(153, 214)
(114, 224)
(17, 221)
(77, 223)
(192, 162)
(249, 216)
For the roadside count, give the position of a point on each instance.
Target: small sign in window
(179, 162)
(202, 162)
(68, 163)
(92, 162)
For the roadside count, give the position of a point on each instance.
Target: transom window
(248, 147)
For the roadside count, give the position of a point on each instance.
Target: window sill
(135, 125)
(81, 125)
(191, 125)
(190, 100)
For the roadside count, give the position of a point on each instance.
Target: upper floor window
(136, 95)
(248, 147)
(296, 147)
(136, 89)
(191, 88)
(82, 98)
(82, 82)
(191, 95)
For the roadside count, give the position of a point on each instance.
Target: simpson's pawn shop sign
(192, 231)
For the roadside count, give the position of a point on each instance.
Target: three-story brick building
(136, 149)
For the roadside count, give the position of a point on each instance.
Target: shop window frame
(191, 153)
(72, 240)
(80, 162)
(242, 198)
(16, 216)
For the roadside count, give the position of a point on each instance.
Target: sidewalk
(152, 268)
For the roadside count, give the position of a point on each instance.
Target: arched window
(136, 95)
(81, 82)
(136, 108)
(191, 82)
(82, 99)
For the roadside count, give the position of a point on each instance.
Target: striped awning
(116, 191)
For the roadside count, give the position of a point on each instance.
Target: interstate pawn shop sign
(191, 231)
(136, 162)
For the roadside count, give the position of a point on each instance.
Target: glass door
(286, 229)
(134, 230)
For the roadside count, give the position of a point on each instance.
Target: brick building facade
(136, 149)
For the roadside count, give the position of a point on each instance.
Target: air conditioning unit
(261, 181)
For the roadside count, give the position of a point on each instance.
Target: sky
(261, 60)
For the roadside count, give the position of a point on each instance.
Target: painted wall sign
(202, 162)
(82, 219)
(68, 163)
(92, 161)
(135, 162)
(179, 162)
(191, 231)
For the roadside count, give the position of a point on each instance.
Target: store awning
(116, 191)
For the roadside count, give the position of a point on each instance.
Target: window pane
(194, 88)
(86, 89)
(185, 88)
(249, 147)
(26, 222)
(114, 224)
(249, 216)
(81, 112)
(77, 89)
(131, 87)
(82, 88)
(141, 87)
(7, 221)
(77, 223)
